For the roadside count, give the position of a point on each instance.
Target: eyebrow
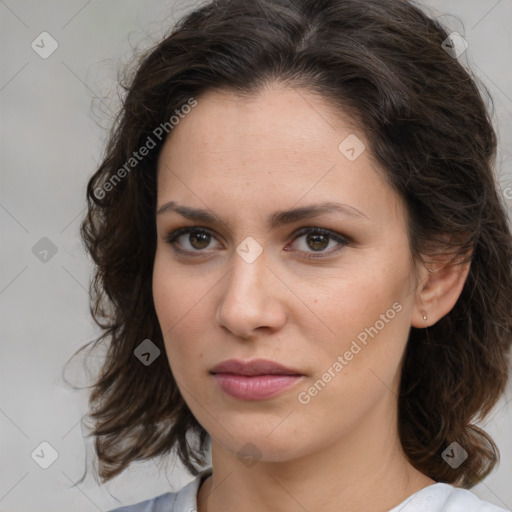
(275, 219)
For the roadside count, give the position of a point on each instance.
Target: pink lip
(258, 387)
(254, 380)
(254, 367)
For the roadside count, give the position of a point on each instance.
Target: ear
(439, 287)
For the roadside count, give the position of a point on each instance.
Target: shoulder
(185, 500)
(441, 497)
(462, 499)
(163, 502)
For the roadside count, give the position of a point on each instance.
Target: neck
(365, 471)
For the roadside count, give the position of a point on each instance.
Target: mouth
(253, 368)
(254, 380)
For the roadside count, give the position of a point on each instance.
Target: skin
(244, 159)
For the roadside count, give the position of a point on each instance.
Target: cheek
(173, 294)
(367, 311)
(351, 301)
(179, 309)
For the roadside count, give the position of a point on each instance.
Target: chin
(259, 445)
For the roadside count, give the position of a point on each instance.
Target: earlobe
(438, 291)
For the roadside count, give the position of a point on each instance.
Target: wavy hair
(429, 129)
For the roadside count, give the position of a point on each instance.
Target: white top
(439, 497)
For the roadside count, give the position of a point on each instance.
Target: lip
(254, 367)
(254, 380)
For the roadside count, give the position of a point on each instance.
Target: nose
(250, 302)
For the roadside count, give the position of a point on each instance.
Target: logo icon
(44, 250)
(44, 455)
(454, 45)
(147, 352)
(454, 455)
(249, 454)
(44, 45)
(351, 147)
(249, 249)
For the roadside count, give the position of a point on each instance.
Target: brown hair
(428, 128)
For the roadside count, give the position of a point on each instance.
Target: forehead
(270, 117)
(281, 144)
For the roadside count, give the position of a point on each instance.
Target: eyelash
(341, 240)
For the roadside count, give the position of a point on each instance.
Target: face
(335, 305)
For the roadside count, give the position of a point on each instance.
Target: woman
(302, 259)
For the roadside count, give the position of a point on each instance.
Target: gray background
(55, 113)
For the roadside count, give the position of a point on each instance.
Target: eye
(194, 239)
(319, 240)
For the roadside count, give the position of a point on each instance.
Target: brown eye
(190, 239)
(194, 241)
(317, 240)
(199, 240)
